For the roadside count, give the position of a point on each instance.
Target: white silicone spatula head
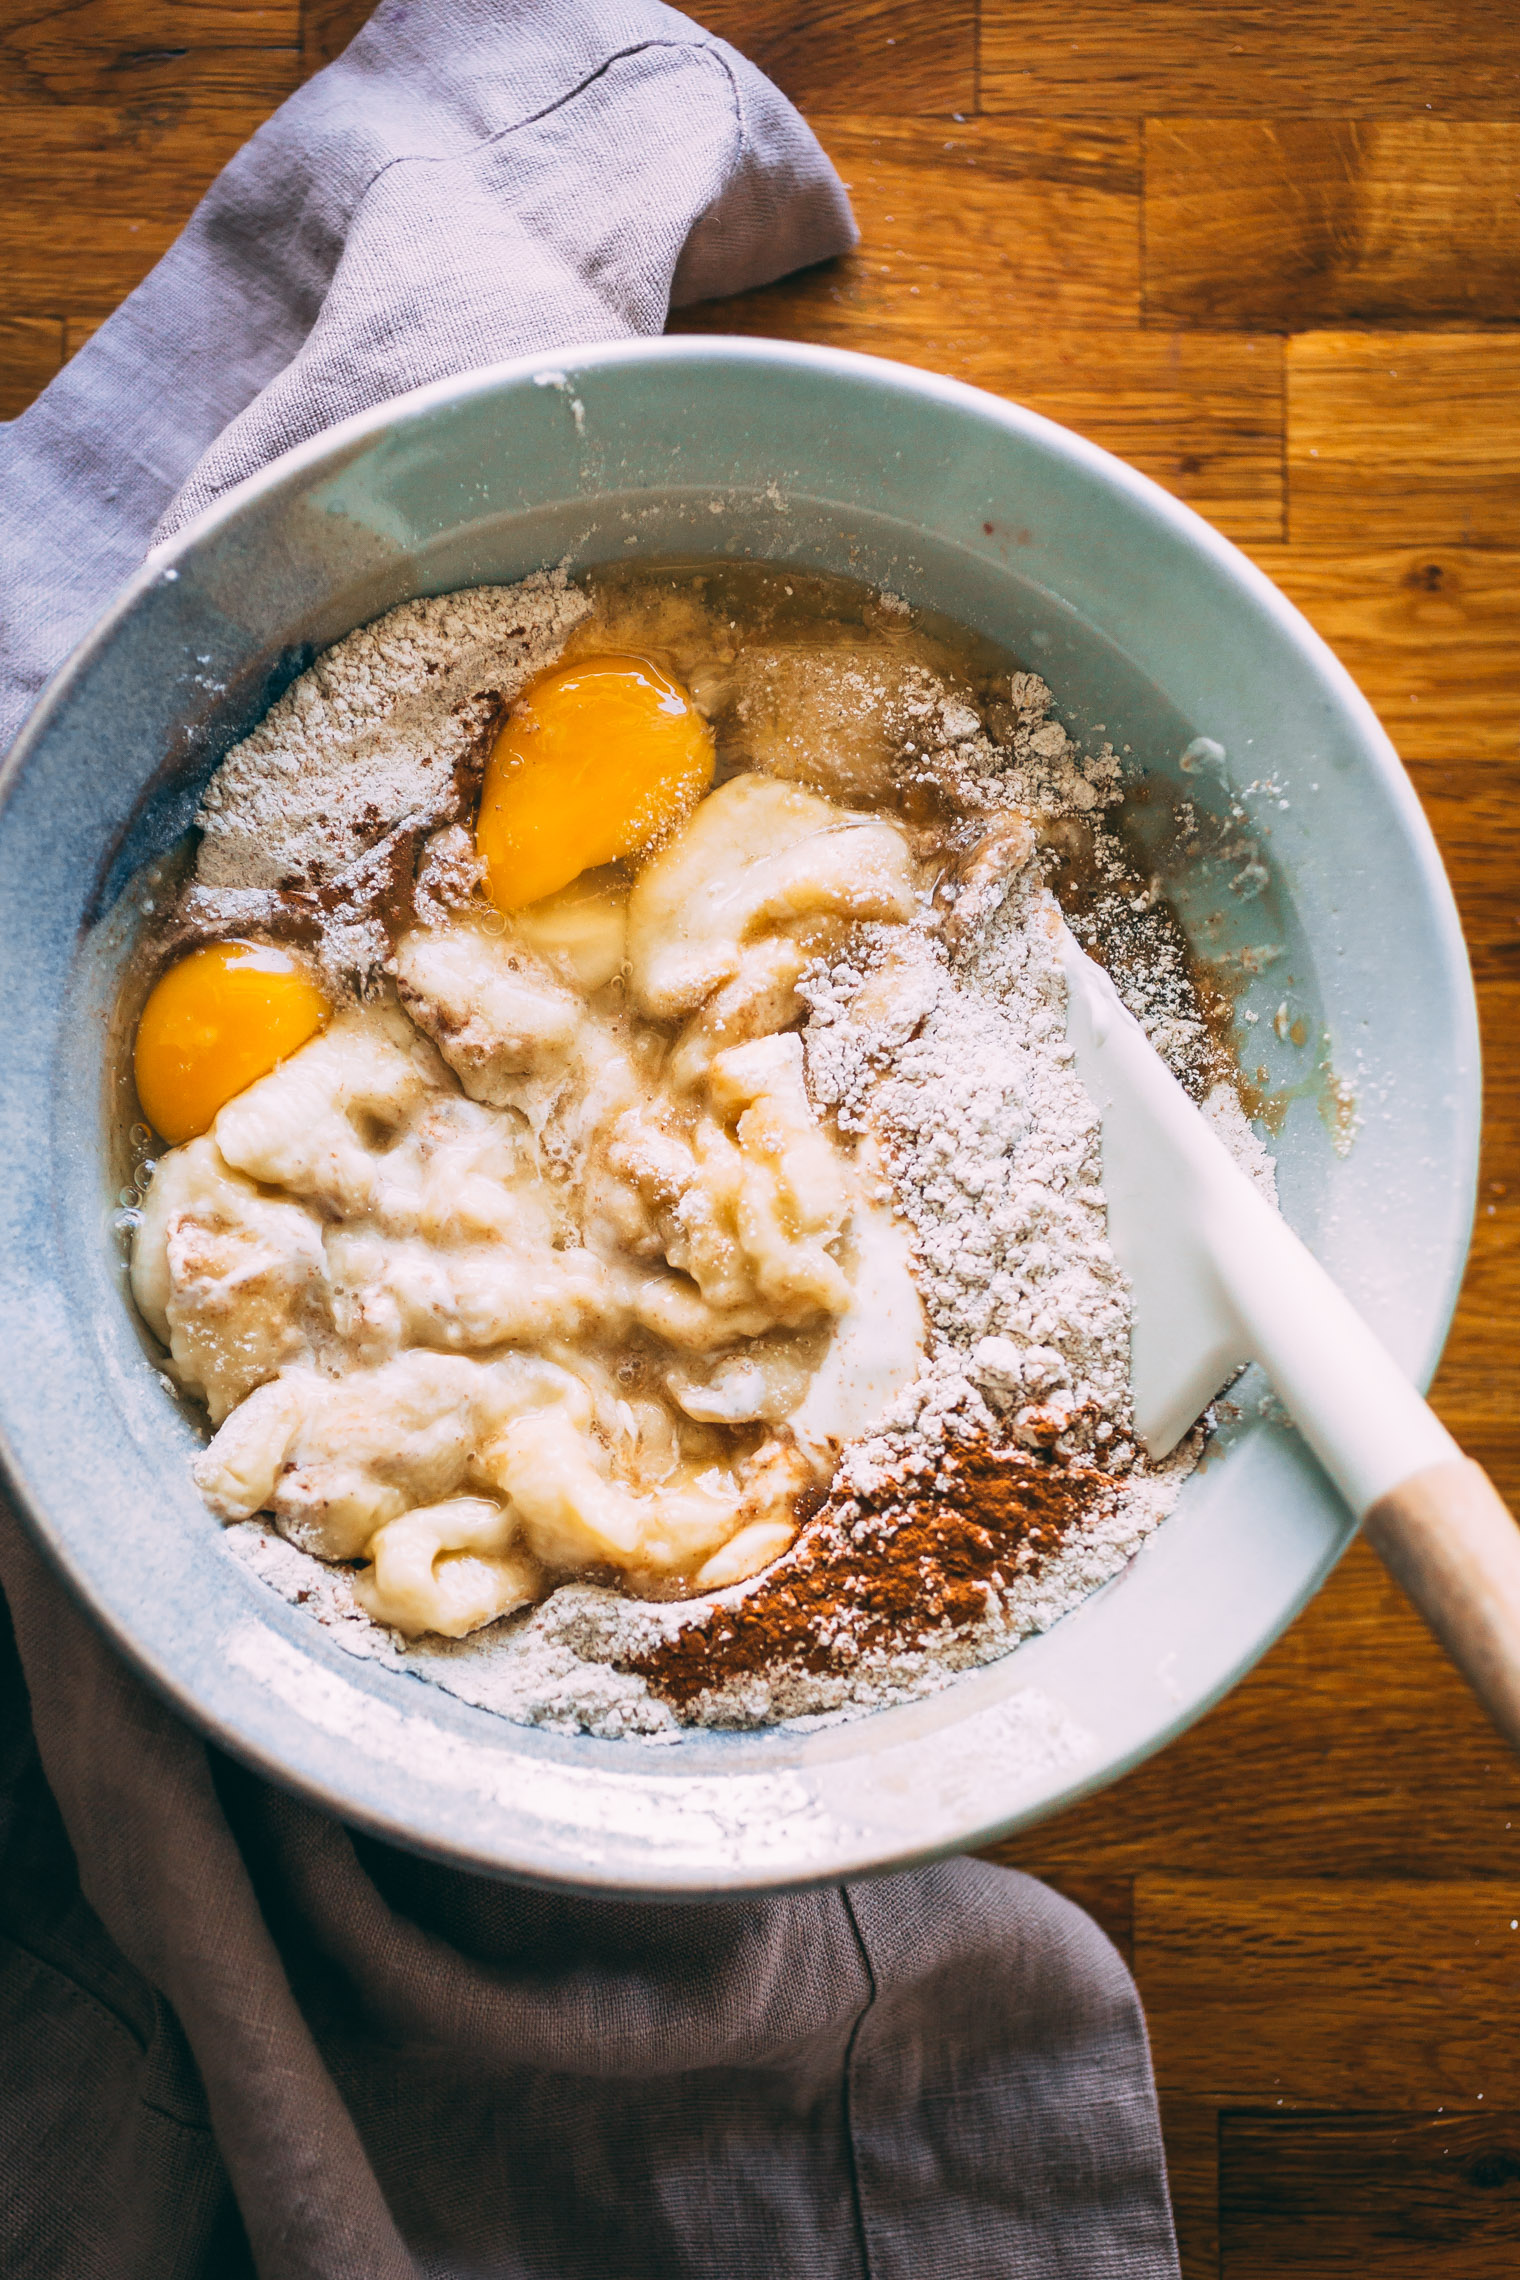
(1158, 1157)
(1217, 1278)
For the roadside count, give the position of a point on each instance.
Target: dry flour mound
(318, 817)
(960, 1067)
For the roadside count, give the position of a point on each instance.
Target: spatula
(1219, 1279)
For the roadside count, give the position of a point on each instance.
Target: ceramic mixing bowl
(1145, 621)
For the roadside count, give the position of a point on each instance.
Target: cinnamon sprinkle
(887, 1574)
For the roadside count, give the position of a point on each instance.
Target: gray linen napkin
(234, 2037)
(472, 180)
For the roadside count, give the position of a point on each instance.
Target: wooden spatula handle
(1447, 1537)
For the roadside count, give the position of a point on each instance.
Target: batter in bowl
(631, 1220)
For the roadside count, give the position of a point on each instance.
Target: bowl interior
(1143, 621)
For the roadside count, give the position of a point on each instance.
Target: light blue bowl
(1144, 620)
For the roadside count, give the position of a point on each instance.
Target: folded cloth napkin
(473, 180)
(235, 2037)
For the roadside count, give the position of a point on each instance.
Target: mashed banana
(535, 1265)
(734, 1208)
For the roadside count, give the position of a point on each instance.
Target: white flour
(944, 1040)
(376, 744)
(963, 1070)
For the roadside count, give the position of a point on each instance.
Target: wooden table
(1270, 254)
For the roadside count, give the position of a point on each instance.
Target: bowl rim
(332, 445)
(328, 451)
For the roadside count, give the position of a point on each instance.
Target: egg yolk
(597, 760)
(216, 1022)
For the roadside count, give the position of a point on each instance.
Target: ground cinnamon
(887, 1573)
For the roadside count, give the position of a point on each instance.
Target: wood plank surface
(1327, 2196)
(1352, 1750)
(827, 55)
(327, 26)
(1270, 254)
(133, 183)
(1332, 1994)
(845, 55)
(1404, 438)
(133, 52)
(1109, 1900)
(31, 351)
(1198, 412)
(1251, 58)
(1190, 2132)
(993, 220)
(1283, 224)
(1430, 633)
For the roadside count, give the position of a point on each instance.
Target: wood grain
(131, 53)
(838, 55)
(1007, 254)
(1286, 224)
(1331, 1994)
(31, 350)
(133, 184)
(1198, 412)
(1476, 816)
(1404, 438)
(1431, 635)
(1251, 58)
(968, 230)
(1109, 1900)
(827, 55)
(1324, 2196)
(1451, 1543)
(1190, 2130)
(1474, 1390)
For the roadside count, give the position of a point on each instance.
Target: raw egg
(596, 761)
(216, 1022)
